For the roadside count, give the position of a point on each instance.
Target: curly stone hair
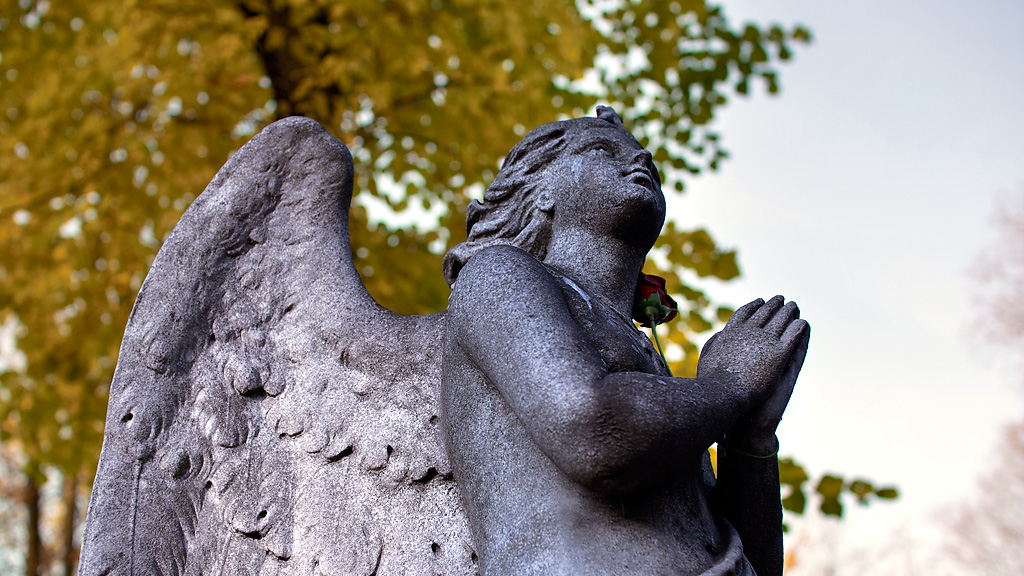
(510, 213)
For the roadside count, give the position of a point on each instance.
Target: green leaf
(723, 313)
(829, 486)
(888, 493)
(696, 322)
(861, 489)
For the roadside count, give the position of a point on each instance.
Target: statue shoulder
(498, 277)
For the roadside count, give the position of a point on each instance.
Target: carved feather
(266, 415)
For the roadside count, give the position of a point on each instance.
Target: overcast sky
(866, 192)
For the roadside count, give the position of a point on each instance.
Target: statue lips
(642, 177)
(640, 174)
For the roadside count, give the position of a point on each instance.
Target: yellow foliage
(115, 115)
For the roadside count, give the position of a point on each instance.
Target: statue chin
(640, 218)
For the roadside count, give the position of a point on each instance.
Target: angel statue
(268, 417)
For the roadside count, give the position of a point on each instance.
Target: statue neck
(600, 265)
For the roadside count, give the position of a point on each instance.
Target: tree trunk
(33, 557)
(69, 500)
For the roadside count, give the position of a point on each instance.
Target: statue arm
(747, 495)
(747, 490)
(610, 431)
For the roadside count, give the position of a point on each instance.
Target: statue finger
(709, 343)
(744, 312)
(766, 312)
(796, 361)
(783, 318)
(796, 330)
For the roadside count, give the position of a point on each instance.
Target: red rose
(651, 304)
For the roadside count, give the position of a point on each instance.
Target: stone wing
(267, 416)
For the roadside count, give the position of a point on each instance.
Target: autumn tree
(113, 116)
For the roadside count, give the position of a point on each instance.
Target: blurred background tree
(985, 533)
(114, 115)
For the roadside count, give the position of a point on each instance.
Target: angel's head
(518, 207)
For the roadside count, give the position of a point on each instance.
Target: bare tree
(1000, 278)
(821, 546)
(987, 534)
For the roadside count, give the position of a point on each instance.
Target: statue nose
(643, 157)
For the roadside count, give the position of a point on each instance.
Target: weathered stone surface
(268, 417)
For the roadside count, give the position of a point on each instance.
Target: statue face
(606, 181)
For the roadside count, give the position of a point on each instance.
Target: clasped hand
(761, 349)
